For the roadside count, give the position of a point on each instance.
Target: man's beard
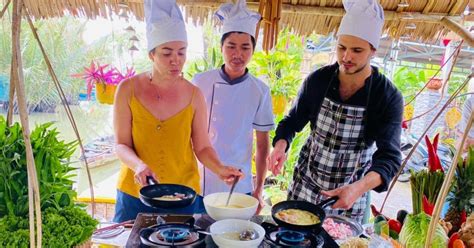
(356, 71)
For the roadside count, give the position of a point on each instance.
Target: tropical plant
(409, 81)
(213, 61)
(96, 73)
(65, 224)
(52, 158)
(281, 66)
(61, 38)
(460, 201)
(277, 191)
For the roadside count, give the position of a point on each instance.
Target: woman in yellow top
(160, 120)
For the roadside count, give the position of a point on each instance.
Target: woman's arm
(123, 133)
(202, 145)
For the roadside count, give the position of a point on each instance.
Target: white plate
(109, 233)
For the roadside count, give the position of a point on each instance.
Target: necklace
(158, 96)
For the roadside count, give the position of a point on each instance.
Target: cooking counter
(204, 221)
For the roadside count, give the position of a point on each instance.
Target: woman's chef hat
(164, 23)
(363, 19)
(237, 18)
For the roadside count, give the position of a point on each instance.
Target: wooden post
(445, 188)
(449, 23)
(4, 9)
(66, 108)
(17, 77)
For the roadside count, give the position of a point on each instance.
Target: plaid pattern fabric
(334, 155)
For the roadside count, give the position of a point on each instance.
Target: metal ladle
(236, 179)
(248, 234)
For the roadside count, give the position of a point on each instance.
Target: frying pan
(317, 210)
(153, 190)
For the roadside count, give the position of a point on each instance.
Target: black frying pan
(317, 210)
(149, 193)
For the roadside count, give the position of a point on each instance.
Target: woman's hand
(228, 173)
(142, 171)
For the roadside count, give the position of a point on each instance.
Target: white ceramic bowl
(215, 206)
(221, 227)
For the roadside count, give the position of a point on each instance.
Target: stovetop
(145, 220)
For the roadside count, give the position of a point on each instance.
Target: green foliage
(52, 158)
(281, 66)
(63, 43)
(463, 186)
(284, 179)
(409, 81)
(214, 60)
(66, 227)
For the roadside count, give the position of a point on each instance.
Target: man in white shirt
(237, 103)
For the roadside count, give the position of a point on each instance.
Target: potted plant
(104, 79)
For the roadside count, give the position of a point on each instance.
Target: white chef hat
(363, 19)
(237, 18)
(164, 23)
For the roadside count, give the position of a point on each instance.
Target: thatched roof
(303, 16)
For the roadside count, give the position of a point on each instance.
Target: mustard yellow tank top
(164, 145)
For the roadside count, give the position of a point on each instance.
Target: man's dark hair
(229, 33)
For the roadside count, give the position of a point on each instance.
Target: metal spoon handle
(232, 189)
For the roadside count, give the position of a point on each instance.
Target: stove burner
(282, 237)
(292, 237)
(173, 235)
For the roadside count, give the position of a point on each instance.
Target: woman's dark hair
(229, 33)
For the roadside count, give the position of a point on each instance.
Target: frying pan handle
(329, 202)
(151, 181)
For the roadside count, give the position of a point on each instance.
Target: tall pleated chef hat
(164, 23)
(363, 19)
(237, 18)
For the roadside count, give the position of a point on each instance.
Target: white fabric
(234, 112)
(164, 23)
(237, 18)
(363, 19)
(466, 114)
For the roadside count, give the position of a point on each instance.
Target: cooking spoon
(236, 179)
(245, 235)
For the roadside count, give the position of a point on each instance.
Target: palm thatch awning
(423, 20)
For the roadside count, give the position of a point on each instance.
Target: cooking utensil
(317, 210)
(236, 179)
(248, 234)
(215, 206)
(154, 190)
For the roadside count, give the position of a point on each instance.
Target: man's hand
(228, 174)
(261, 203)
(348, 195)
(277, 158)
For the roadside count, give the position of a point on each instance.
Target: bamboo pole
(451, 98)
(69, 114)
(260, 11)
(33, 188)
(450, 24)
(447, 184)
(4, 9)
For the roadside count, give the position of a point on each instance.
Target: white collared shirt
(235, 108)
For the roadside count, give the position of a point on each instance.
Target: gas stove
(153, 230)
